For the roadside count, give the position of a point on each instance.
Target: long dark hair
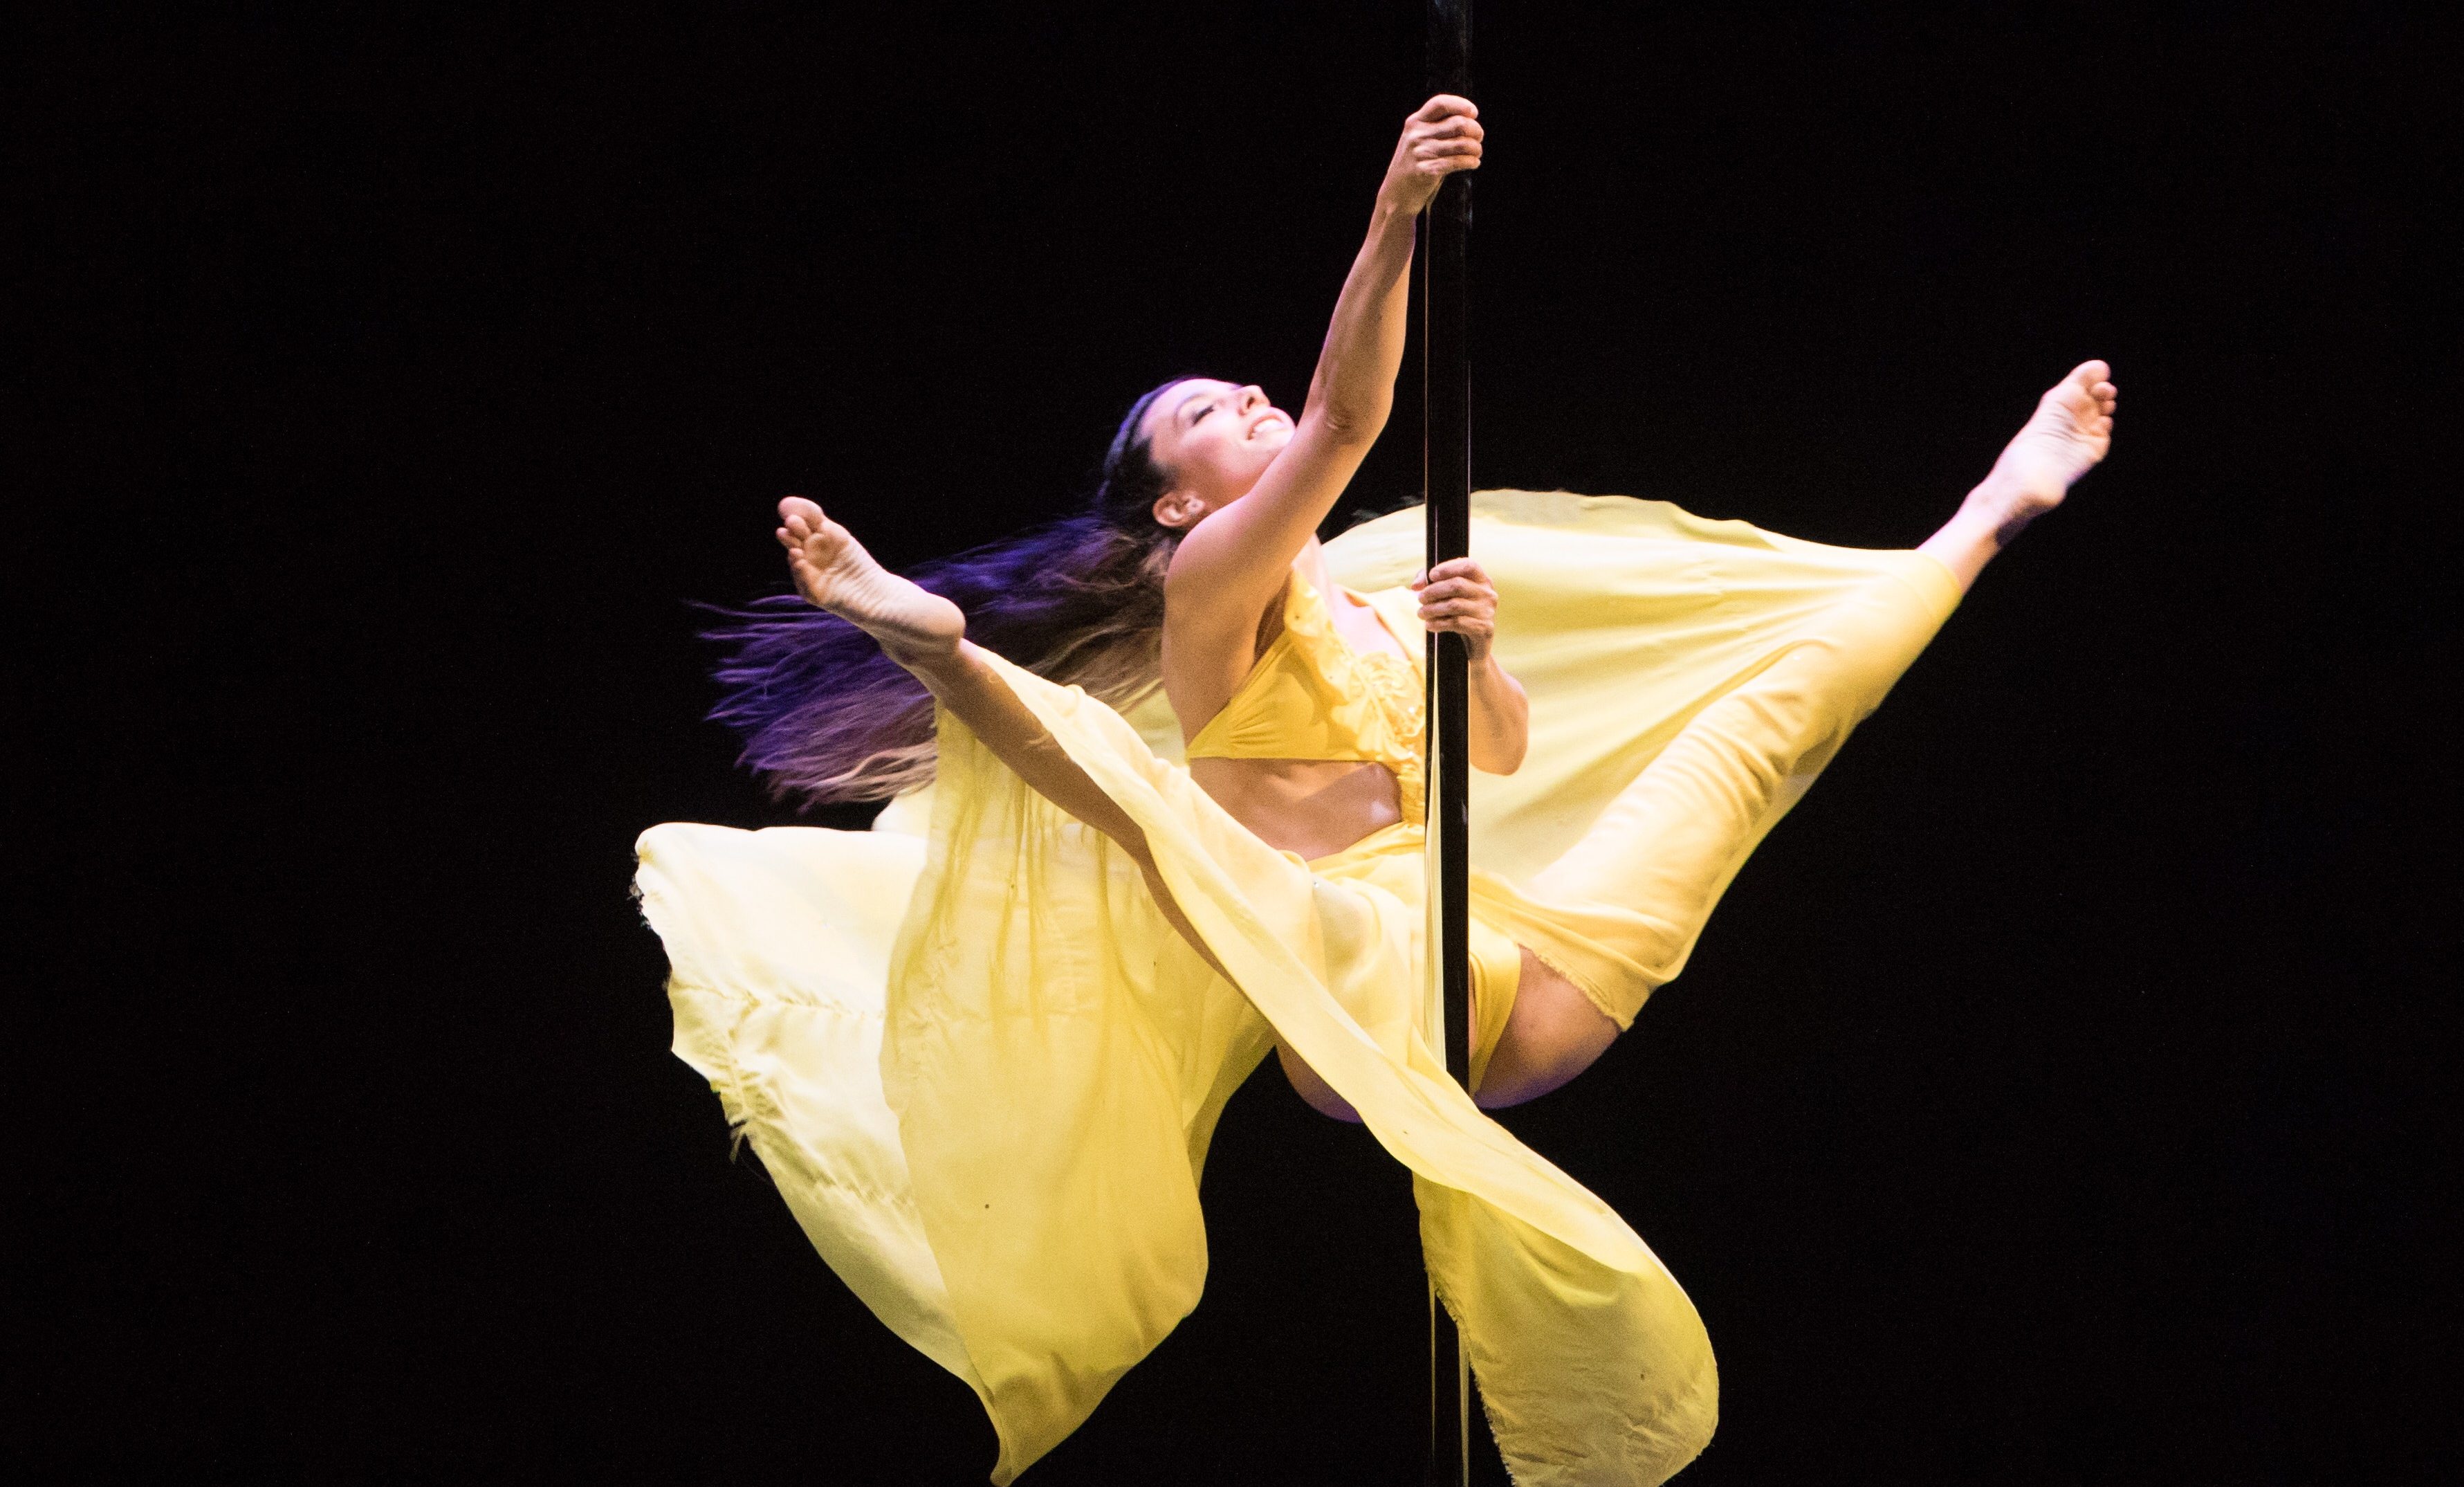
(826, 717)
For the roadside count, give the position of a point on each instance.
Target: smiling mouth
(1270, 421)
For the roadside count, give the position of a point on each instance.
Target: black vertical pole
(1446, 471)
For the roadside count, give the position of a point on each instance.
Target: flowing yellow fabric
(1011, 1181)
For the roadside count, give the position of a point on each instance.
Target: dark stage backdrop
(2048, 1102)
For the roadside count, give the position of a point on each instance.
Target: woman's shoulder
(1203, 673)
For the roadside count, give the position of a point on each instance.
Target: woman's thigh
(1552, 1035)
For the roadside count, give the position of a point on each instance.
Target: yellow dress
(984, 1070)
(1310, 695)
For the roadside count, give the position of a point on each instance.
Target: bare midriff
(1312, 807)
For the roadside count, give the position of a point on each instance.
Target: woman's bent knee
(1318, 1095)
(1554, 1034)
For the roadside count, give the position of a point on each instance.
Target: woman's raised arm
(1233, 563)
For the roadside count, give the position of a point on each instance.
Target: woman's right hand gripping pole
(1441, 137)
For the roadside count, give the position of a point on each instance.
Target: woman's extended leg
(1649, 870)
(1665, 850)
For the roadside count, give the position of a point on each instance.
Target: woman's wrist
(1390, 215)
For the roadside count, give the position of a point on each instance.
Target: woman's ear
(1178, 509)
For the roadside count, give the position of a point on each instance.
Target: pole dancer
(1157, 812)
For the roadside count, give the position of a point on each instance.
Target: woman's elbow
(1349, 421)
(1498, 759)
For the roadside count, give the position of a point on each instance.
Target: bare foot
(2062, 441)
(835, 573)
(2068, 434)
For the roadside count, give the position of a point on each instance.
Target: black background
(2050, 1101)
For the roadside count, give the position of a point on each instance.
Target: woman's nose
(1251, 396)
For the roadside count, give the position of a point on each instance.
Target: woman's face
(1212, 440)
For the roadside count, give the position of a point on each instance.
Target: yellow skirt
(984, 1070)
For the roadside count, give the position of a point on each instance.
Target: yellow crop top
(1310, 696)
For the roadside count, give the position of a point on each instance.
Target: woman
(985, 1070)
